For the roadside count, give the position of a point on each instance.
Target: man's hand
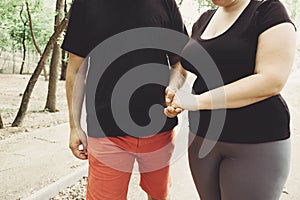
(78, 143)
(171, 111)
(169, 95)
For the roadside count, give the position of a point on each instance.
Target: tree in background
(179, 2)
(205, 4)
(15, 27)
(55, 61)
(291, 7)
(33, 36)
(33, 79)
(23, 37)
(1, 122)
(64, 57)
(13, 17)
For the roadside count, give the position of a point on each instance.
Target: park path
(30, 161)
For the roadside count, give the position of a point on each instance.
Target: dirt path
(31, 161)
(11, 90)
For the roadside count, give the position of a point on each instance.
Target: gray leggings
(240, 171)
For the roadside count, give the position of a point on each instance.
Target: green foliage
(206, 4)
(11, 28)
(7, 10)
(291, 6)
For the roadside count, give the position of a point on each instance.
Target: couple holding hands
(252, 44)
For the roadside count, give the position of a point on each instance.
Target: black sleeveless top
(234, 54)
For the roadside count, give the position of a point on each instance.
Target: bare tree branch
(31, 29)
(33, 37)
(24, 21)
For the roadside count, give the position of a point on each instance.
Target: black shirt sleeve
(176, 24)
(271, 13)
(74, 41)
(176, 18)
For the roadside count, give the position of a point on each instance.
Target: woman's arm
(274, 59)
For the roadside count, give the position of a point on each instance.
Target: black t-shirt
(234, 54)
(92, 22)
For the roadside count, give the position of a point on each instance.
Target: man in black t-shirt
(112, 153)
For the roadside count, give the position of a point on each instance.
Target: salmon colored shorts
(111, 162)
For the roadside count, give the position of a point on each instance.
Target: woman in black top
(252, 44)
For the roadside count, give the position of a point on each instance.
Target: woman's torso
(234, 53)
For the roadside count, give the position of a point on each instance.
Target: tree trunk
(1, 122)
(64, 60)
(33, 79)
(33, 38)
(23, 40)
(53, 76)
(4, 62)
(54, 64)
(24, 50)
(64, 64)
(14, 61)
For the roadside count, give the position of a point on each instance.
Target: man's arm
(75, 78)
(177, 79)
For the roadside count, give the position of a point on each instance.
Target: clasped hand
(177, 101)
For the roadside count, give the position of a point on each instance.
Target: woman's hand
(185, 101)
(178, 100)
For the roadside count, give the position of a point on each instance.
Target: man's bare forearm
(75, 87)
(177, 77)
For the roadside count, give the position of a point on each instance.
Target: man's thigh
(154, 164)
(110, 169)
